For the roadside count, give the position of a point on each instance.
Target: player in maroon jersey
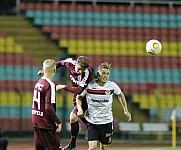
(45, 122)
(80, 75)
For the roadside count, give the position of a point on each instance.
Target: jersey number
(36, 98)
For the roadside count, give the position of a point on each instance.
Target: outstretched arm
(122, 100)
(58, 65)
(77, 90)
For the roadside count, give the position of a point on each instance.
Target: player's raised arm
(58, 65)
(122, 100)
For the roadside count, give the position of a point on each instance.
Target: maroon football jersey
(44, 105)
(79, 81)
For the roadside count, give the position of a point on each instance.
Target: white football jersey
(99, 100)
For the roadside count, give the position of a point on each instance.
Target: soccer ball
(153, 47)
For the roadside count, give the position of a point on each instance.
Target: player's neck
(49, 76)
(100, 83)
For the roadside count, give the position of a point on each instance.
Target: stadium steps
(34, 42)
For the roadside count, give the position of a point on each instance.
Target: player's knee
(73, 118)
(92, 145)
(104, 147)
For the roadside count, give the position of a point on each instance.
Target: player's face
(104, 75)
(79, 69)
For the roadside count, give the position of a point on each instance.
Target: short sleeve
(117, 89)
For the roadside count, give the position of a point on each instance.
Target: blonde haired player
(99, 116)
(45, 122)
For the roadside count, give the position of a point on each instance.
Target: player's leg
(50, 140)
(92, 136)
(92, 145)
(37, 140)
(46, 139)
(104, 146)
(105, 132)
(74, 125)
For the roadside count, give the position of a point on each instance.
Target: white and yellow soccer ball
(153, 47)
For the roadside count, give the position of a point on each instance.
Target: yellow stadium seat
(106, 47)
(2, 41)
(9, 41)
(18, 48)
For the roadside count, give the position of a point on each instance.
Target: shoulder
(92, 82)
(47, 83)
(113, 84)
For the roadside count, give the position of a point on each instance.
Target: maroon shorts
(46, 139)
(84, 106)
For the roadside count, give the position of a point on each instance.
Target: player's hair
(83, 61)
(104, 65)
(49, 65)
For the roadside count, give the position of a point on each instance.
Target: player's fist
(80, 113)
(58, 127)
(40, 73)
(128, 115)
(60, 87)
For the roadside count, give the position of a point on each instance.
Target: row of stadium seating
(96, 21)
(110, 33)
(147, 62)
(166, 76)
(103, 7)
(107, 47)
(104, 15)
(19, 59)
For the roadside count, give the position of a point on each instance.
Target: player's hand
(80, 113)
(60, 87)
(58, 127)
(40, 73)
(128, 115)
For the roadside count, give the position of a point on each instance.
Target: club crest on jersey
(79, 77)
(107, 92)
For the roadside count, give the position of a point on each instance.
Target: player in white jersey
(99, 116)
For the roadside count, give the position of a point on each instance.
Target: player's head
(49, 66)
(82, 64)
(104, 72)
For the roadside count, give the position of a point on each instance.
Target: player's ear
(54, 70)
(98, 74)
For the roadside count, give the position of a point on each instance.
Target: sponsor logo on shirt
(100, 101)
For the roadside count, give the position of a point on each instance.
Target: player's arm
(81, 85)
(71, 89)
(50, 109)
(51, 112)
(79, 106)
(122, 100)
(58, 65)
